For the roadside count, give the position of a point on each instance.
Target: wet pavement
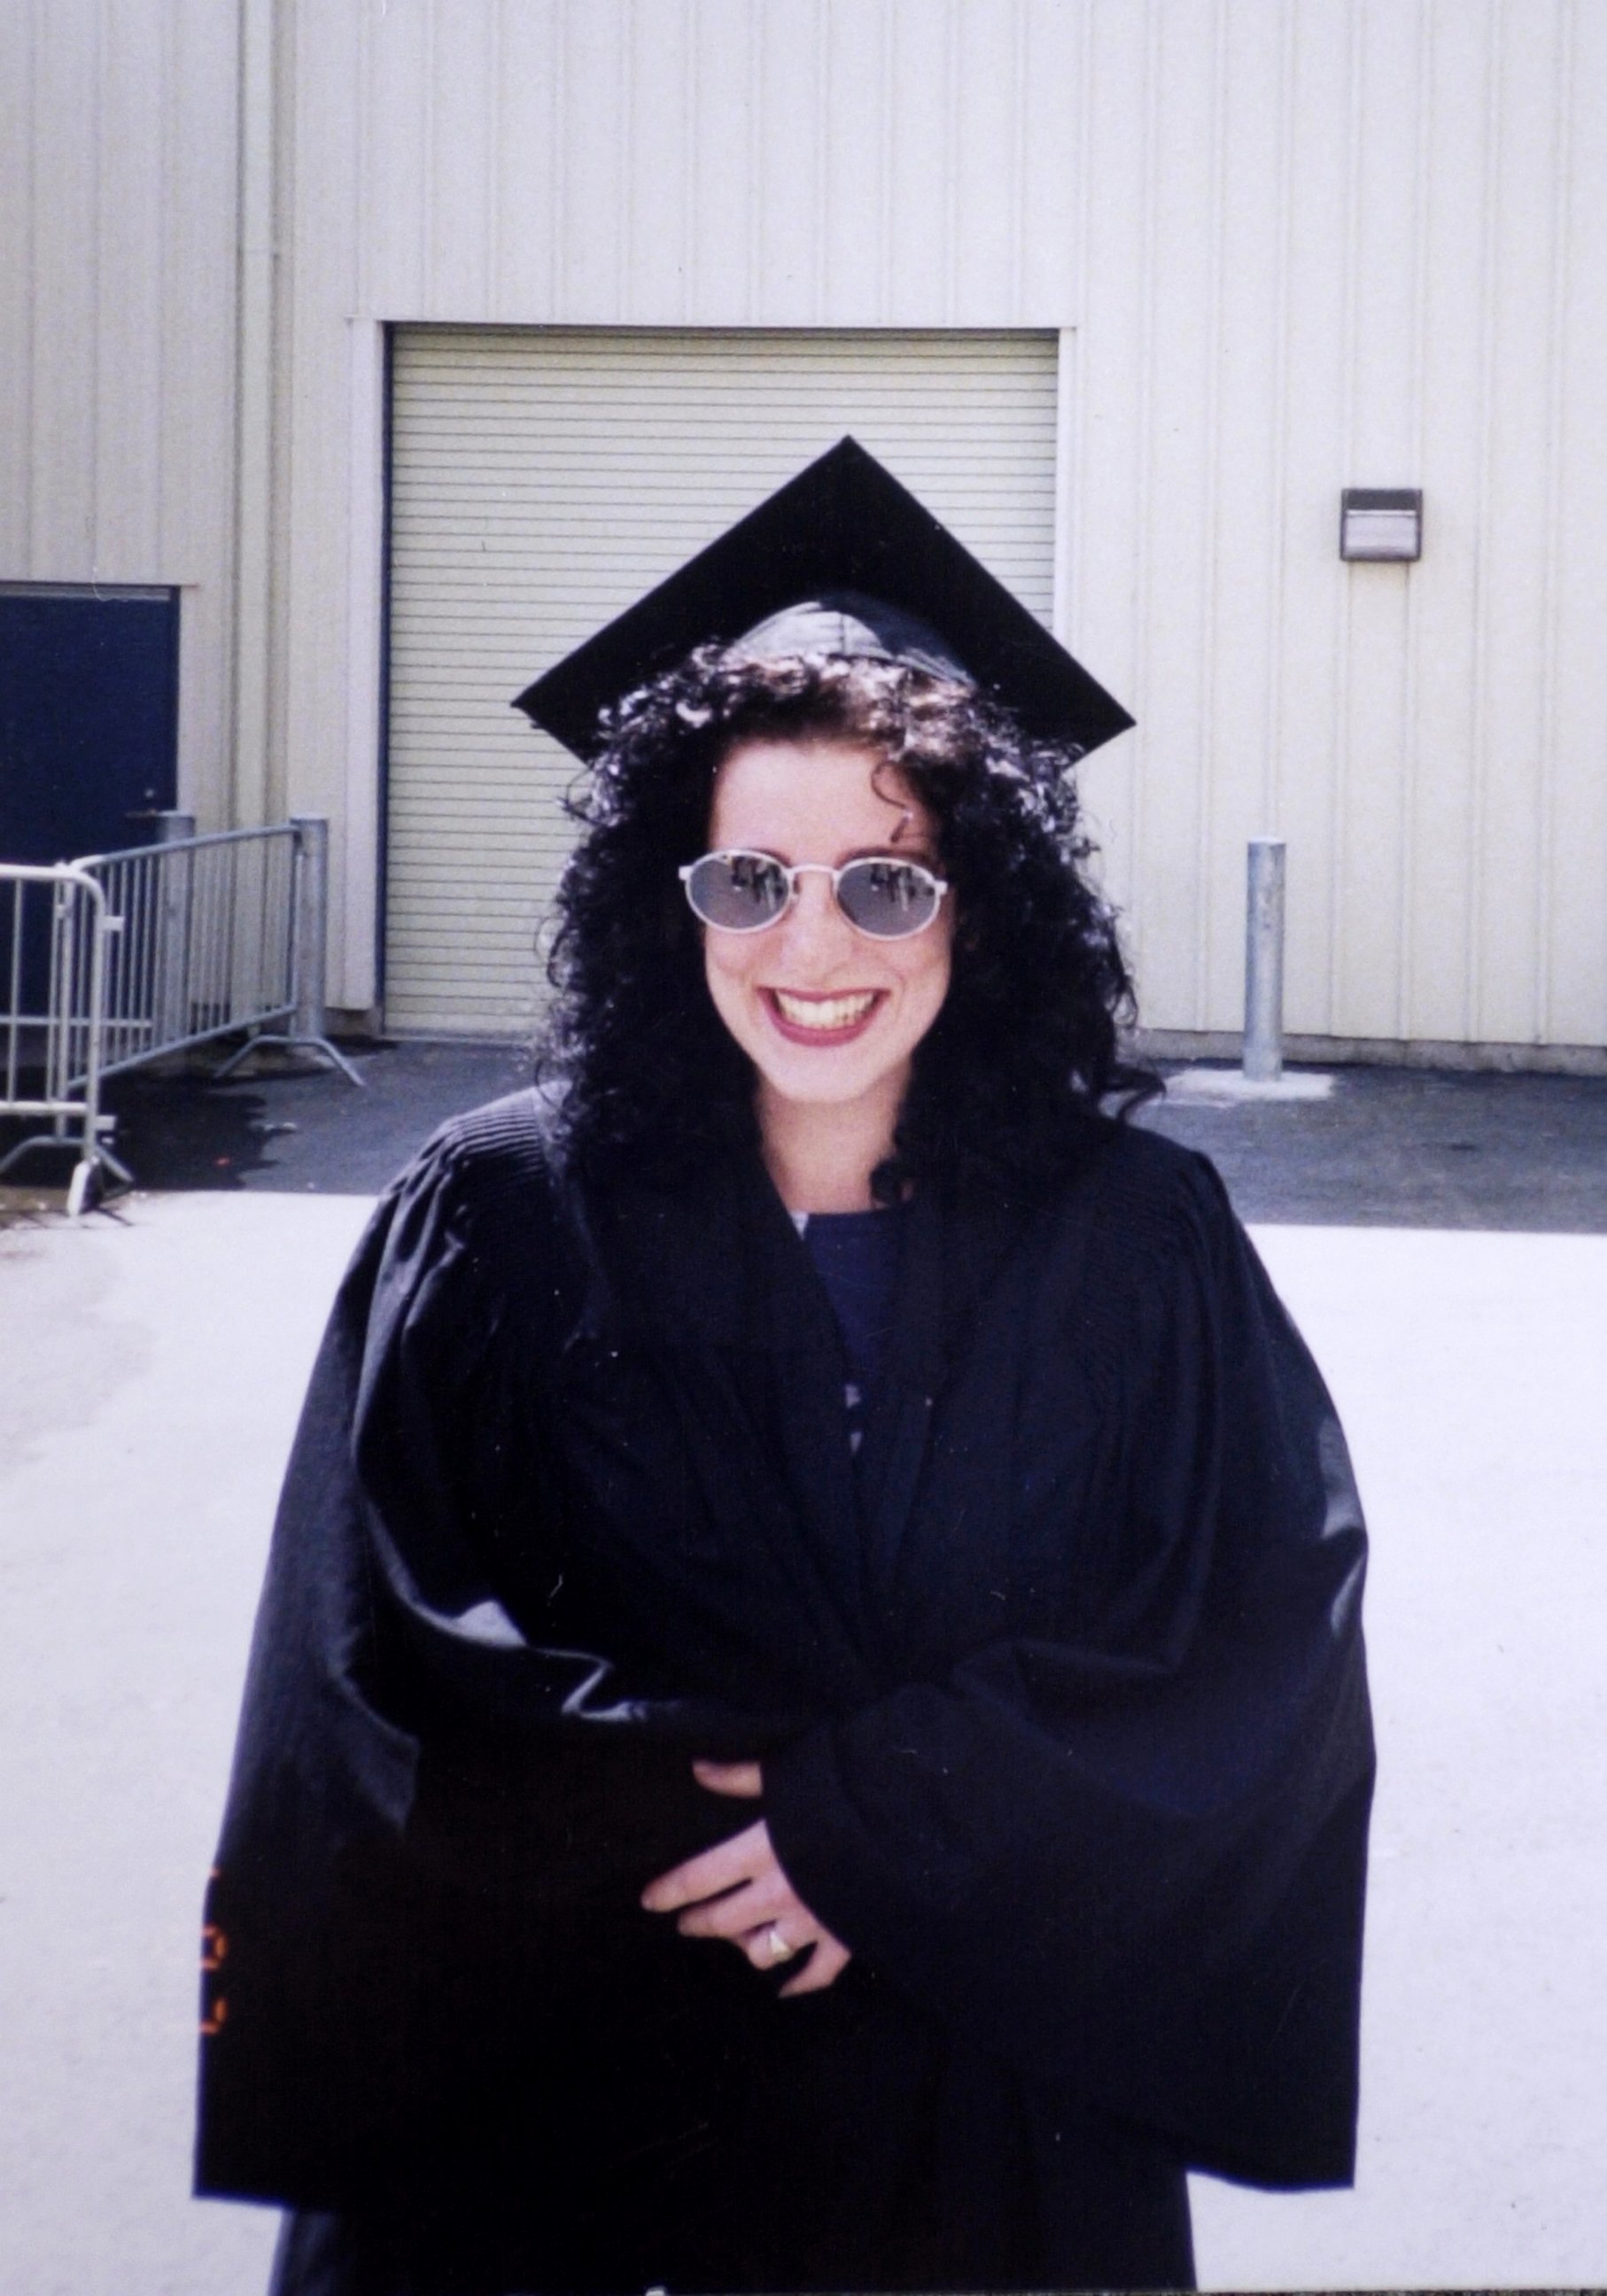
(1405, 1148)
(1388, 1148)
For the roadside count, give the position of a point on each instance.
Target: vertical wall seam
(1018, 160)
(1072, 427)
(1144, 416)
(364, 856)
(951, 174)
(1473, 963)
(887, 130)
(427, 135)
(491, 166)
(557, 204)
(1545, 1008)
(98, 244)
(1073, 605)
(1406, 799)
(279, 481)
(1272, 759)
(31, 553)
(691, 148)
(819, 273)
(167, 146)
(1339, 783)
(362, 170)
(1206, 624)
(758, 189)
(625, 97)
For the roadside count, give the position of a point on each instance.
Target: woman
(824, 1750)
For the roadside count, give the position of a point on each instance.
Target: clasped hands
(737, 1891)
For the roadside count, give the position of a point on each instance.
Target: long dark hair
(1025, 1047)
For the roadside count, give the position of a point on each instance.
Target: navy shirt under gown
(856, 1256)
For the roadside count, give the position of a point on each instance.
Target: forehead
(799, 798)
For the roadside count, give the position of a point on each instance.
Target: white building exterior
(1130, 290)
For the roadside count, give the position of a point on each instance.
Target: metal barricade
(56, 930)
(220, 933)
(122, 958)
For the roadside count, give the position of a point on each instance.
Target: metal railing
(153, 951)
(55, 934)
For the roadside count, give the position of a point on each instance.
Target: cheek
(727, 964)
(926, 984)
(722, 961)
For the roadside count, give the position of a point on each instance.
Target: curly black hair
(1025, 1047)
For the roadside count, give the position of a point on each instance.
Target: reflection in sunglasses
(881, 895)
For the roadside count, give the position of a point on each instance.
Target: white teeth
(824, 1012)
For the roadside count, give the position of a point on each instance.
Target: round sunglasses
(884, 898)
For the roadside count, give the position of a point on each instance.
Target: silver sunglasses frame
(792, 871)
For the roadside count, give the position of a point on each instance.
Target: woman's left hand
(737, 1890)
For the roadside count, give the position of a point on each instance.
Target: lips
(822, 1019)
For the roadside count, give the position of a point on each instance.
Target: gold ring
(776, 1945)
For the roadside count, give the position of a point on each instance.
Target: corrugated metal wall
(117, 321)
(1301, 244)
(1339, 244)
(720, 162)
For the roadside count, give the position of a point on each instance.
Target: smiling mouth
(822, 1019)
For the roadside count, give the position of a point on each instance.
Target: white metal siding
(1303, 244)
(117, 321)
(542, 481)
(1335, 244)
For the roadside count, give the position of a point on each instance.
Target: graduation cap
(841, 560)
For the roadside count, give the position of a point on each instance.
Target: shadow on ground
(1390, 1147)
(1409, 1148)
(291, 1124)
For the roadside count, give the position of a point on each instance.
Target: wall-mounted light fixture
(1380, 522)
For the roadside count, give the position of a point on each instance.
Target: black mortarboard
(841, 560)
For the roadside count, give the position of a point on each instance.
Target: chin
(824, 1092)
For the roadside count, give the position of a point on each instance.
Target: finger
(743, 1778)
(760, 1946)
(725, 1866)
(826, 1965)
(760, 1901)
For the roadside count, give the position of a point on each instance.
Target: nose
(814, 932)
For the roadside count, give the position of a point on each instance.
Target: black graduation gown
(1058, 1689)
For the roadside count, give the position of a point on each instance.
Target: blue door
(88, 718)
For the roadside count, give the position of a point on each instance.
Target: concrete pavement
(151, 1363)
(151, 1369)
(1471, 1372)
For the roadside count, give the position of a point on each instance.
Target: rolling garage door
(541, 481)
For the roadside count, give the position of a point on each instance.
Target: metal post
(309, 908)
(310, 945)
(1264, 963)
(170, 1020)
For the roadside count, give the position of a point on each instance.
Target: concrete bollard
(1262, 1056)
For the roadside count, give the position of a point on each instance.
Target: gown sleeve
(1132, 1864)
(427, 1762)
(367, 1597)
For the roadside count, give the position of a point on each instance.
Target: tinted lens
(737, 892)
(887, 899)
